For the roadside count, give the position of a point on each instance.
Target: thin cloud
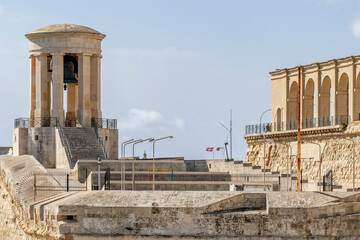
(330, 1)
(148, 120)
(356, 27)
(1, 10)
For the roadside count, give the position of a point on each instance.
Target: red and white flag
(219, 148)
(210, 149)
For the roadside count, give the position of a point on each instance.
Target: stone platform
(177, 214)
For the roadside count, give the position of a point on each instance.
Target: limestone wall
(336, 154)
(110, 139)
(10, 227)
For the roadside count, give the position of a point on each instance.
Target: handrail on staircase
(100, 140)
(64, 141)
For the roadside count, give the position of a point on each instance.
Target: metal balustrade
(293, 124)
(53, 122)
(104, 123)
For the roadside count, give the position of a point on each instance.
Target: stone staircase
(83, 144)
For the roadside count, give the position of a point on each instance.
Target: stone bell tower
(65, 122)
(65, 57)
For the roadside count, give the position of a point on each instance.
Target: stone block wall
(43, 143)
(337, 154)
(110, 139)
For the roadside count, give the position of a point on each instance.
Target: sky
(178, 67)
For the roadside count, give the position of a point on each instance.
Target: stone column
(95, 86)
(317, 84)
(334, 88)
(351, 96)
(58, 84)
(42, 105)
(32, 89)
(84, 111)
(72, 100)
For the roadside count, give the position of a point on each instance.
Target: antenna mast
(231, 156)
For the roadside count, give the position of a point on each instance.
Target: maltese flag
(210, 149)
(219, 148)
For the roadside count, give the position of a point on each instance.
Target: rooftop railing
(293, 124)
(53, 122)
(104, 123)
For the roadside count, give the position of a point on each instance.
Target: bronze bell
(70, 70)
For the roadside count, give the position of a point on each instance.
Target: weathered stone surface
(336, 155)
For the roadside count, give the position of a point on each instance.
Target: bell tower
(65, 57)
(65, 121)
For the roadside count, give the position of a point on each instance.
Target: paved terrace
(115, 214)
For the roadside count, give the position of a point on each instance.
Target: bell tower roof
(64, 28)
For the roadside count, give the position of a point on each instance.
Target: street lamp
(153, 170)
(353, 153)
(262, 116)
(133, 160)
(132, 141)
(99, 163)
(122, 159)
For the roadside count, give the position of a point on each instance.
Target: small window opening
(36, 137)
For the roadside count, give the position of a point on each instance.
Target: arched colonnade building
(330, 94)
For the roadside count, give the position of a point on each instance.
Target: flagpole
(231, 146)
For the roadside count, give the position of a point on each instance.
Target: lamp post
(122, 159)
(153, 170)
(353, 153)
(99, 163)
(124, 186)
(133, 160)
(320, 159)
(268, 110)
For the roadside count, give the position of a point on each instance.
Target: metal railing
(100, 139)
(49, 184)
(65, 143)
(35, 122)
(104, 123)
(293, 124)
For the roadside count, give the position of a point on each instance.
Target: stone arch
(308, 102)
(292, 102)
(357, 98)
(342, 96)
(325, 98)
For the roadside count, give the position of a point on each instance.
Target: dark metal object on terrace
(104, 123)
(35, 122)
(292, 125)
(328, 181)
(53, 122)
